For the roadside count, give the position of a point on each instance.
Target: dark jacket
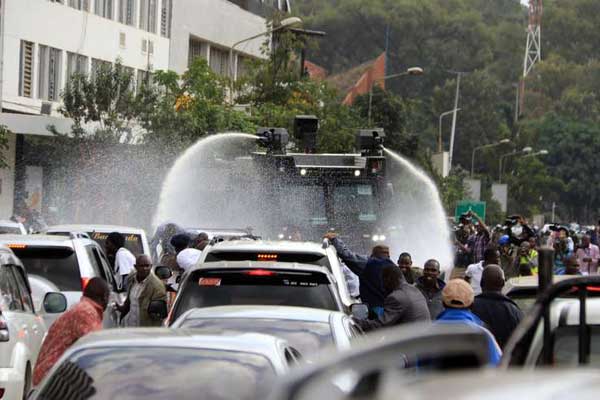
(371, 283)
(403, 305)
(500, 314)
(433, 297)
(154, 290)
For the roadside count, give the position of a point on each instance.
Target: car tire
(27, 381)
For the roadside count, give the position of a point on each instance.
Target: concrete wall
(7, 180)
(217, 22)
(53, 24)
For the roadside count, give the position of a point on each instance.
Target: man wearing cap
(458, 297)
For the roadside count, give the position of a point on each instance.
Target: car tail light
(84, 283)
(260, 272)
(4, 336)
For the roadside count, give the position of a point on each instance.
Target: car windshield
(305, 336)
(57, 264)
(133, 242)
(223, 288)
(161, 373)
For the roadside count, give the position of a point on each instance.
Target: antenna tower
(533, 50)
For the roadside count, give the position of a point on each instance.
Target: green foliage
(105, 100)
(4, 132)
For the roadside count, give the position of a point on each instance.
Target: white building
(43, 42)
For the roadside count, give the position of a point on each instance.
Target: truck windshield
(354, 203)
(308, 203)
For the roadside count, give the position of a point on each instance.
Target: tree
(4, 132)
(105, 99)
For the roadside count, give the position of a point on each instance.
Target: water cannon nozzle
(274, 140)
(370, 141)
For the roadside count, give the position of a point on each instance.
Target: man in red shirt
(81, 319)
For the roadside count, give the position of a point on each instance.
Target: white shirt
(474, 272)
(124, 264)
(187, 258)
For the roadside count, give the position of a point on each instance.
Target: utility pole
(2, 20)
(454, 116)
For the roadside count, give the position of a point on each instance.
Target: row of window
(49, 70)
(218, 58)
(128, 11)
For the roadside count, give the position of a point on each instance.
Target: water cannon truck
(312, 193)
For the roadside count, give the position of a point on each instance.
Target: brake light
(260, 272)
(16, 246)
(4, 336)
(266, 257)
(84, 283)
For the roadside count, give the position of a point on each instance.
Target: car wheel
(27, 381)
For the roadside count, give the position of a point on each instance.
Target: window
(147, 46)
(57, 264)
(26, 69)
(9, 293)
(148, 10)
(104, 8)
(97, 64)
(23, 289)
(49, 73)
(165, 18)
(219, 61)
(127, 12)
(76, 64)
(122, 40)
(83, 5)
(196, 49)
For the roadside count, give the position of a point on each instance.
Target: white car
(308, 330)
(152, 363)
(135, 238)
(321, 254)
(12, 227)
(65, 264)
(21, 329)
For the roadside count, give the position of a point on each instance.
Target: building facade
(44, 42)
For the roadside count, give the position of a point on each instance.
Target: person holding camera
(518, 230)
(563, 250)
(527, 260)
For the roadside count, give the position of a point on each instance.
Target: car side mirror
(158, 310)
(55, 303)
(359, 310)
(163, 272)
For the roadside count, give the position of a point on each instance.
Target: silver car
(283, 251)
(307, 329)
(62, 264)
(148, 364)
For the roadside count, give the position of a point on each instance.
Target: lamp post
(454, 116)
(442, 115)
(485, 146)
(409, 71)
(285, 23)
(525, 150)
(538, 153)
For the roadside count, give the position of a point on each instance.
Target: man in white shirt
(475, 271)
(124, 259)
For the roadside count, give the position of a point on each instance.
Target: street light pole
(409, 71)
(454, 117)
(485, 146)
(286, 23)
(442, 115)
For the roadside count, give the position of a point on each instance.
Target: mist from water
(417, 214)
(210, 186)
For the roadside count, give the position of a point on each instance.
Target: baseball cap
(458, 293)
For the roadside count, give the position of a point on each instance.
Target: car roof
(159, 337)
(262, 312)
(529, 282)
(41, 240)
(94, 228)
(281, 246)
(261, 264)
(496, 385)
